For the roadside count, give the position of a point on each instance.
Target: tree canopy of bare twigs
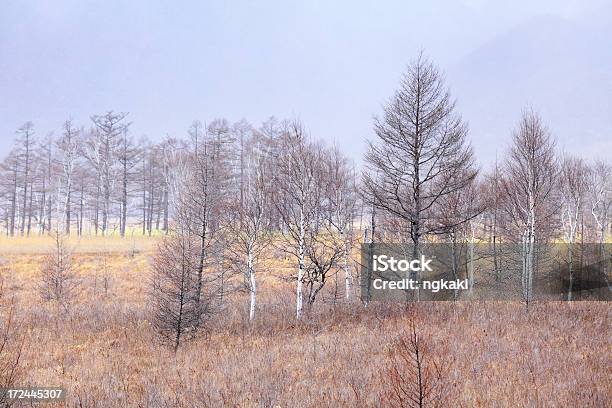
(421, 154)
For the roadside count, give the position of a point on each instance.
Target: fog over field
(331, 64)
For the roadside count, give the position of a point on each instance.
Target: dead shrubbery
(11, 344)
(58, 279)
(180, 308)
(416, 376)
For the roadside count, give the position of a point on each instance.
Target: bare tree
(574, 176)
(530, 178)
(342, 202)
(324, 249)
(128, 156)
(58, 279)
(296, 176)
(67, 147)
(242, 132)
(177, 308)
(26, 146)
(167, 154)
(149, 178)
(421, 154)
(82, 181)
(10, 169)
(102, 152)
(458, 206)
(492, 196)
(416, 379)
(250, 218)
(600, 199)
(47, 180)
(206, 198)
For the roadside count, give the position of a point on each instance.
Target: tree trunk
(97, 208)
(81, 199)
(347, 274)
(471, 260)
(14, 202)
(30, 210)
(570, 262)
(68, 199)
(252, 283)
(198, 293)
(25, 183)
(124, 198)
(301, 267)
(166, 209)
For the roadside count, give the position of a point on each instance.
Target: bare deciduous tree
(67, 147)
(58, 279)
(128, 155)
(324, 249)
(342, 202)
(10, 169)
(250, 218)
(177, 309)
(530, 177)
(102, 152)
(421, 154)
(416, 379)
(206, 198)
(574, 176)
(600, 199)
(26, 147)
(297, 178)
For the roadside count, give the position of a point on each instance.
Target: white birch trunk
(252, 283)
(471, 259)
(347, 275)
(300, 275)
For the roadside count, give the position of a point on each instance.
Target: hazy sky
(330, 63)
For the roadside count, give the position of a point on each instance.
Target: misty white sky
(330, 63)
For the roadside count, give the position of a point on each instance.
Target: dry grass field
(103, 350)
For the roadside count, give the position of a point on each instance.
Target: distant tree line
(98, 179)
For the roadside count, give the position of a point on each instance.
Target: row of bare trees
(421, 182)
(88, 180)
(229, 195)
(274, 189)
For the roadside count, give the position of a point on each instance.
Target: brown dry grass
(106, 355)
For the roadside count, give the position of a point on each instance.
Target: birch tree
(296, 179)
(46, 155)
(574, 176)
(492, 197)
(67, 148)
(324, 249)
(342, 201)
(600, 199)
(250, 217)
(530, 172)
(455, 209)
(242, 131)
